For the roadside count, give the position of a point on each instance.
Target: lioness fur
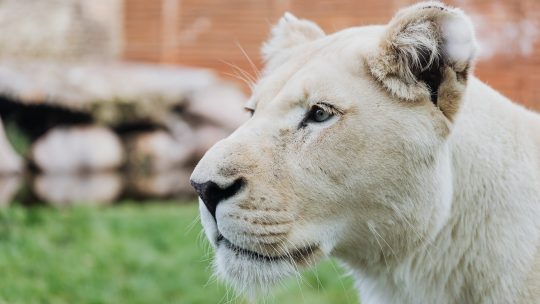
(421, 179)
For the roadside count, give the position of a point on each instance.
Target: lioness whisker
(243, 72)
(251, 63)
(247, 82)
(378, 243)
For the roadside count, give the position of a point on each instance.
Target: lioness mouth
(298, 255)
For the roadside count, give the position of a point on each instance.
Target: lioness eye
(318, 114)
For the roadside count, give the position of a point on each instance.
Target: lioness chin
(376, 145)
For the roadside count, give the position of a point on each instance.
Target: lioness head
(346, 153)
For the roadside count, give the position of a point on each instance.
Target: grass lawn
(128, 253)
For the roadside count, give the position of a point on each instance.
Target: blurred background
(107, 105)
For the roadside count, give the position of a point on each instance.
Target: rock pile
(89, 127)
(150, 122)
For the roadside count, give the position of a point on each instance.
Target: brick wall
(208, 33)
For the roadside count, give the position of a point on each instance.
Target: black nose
(211, 193)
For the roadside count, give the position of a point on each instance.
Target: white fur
(459, 43)
(486, 249)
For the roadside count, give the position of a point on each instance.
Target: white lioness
(376, 145)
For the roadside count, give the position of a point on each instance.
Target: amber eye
(318, 114)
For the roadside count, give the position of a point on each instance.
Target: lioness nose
(212, 194)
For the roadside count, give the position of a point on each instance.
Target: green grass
(128, 254)
(19, 140)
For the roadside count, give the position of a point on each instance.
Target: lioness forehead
(306, 68)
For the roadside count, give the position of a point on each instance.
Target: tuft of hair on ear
(420, 44)
(288, 33)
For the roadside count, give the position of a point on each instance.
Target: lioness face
(333, 161)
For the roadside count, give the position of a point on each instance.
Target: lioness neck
(486, 251)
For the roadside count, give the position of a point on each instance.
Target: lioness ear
(290, 32)
(426, 53)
